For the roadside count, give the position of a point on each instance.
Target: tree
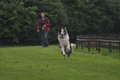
(16, 25)
(18, 19)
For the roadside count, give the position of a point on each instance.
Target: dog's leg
(68, 45)
(64, 56)
(62, 50)
(68, 57)
(69, 53)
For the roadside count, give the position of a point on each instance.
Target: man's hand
(38, 30)
(44, 26)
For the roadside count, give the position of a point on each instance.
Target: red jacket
(46, 22)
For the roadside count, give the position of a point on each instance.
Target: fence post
(98, 46)
(78, 43)
(89, 46)
(110, 47)
(82, 44)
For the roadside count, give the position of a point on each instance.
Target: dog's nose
(62, 34)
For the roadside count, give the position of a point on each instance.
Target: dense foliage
(18, 18)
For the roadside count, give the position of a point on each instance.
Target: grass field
(103, 51)
(37, 63)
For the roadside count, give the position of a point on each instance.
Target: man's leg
(42, 38)
(46, 39)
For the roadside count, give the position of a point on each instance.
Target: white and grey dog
(64, 43)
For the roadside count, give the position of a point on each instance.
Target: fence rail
(99, 41)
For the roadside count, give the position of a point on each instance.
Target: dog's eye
(65, 32)
(59, 31)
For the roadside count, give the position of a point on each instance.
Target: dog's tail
(72, 45)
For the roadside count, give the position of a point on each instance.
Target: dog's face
(62, 32)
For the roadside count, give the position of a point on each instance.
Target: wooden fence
(99, 41)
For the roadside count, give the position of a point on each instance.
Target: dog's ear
(65, 28)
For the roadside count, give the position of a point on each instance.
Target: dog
(64, 42)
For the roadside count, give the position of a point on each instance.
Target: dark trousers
(44, 38)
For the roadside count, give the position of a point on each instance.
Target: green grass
(103, 51)
(37, 63)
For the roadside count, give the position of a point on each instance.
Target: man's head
(42, 15)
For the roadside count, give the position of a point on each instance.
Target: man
(43, 27)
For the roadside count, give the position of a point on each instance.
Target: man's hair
(42, 12)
